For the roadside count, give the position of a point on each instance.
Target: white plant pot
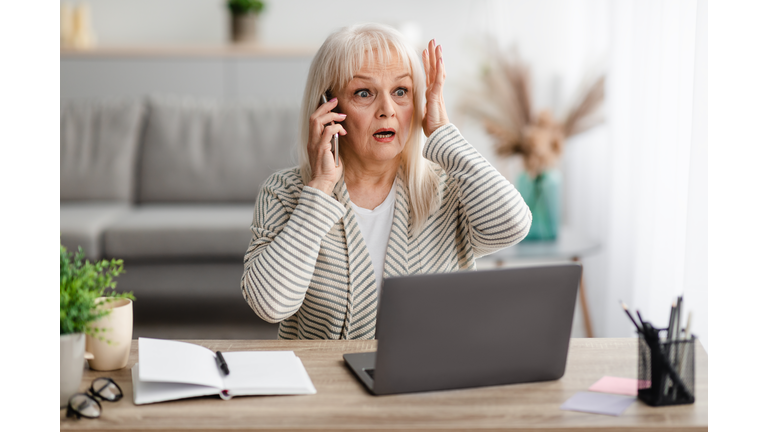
(111, 349)
(72, 363)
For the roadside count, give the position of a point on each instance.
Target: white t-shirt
(375, 226)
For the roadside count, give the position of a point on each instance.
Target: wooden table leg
(584, 305)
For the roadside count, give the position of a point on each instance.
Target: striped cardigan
(307, 266)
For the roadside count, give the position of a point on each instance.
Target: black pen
(222, 363)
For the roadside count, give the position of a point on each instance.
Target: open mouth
(384, 135)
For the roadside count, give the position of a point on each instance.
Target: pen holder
(666, 372)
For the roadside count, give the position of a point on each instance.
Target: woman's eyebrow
(368, 78)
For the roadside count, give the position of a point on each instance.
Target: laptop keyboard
(370, 372)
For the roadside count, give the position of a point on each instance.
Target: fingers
(434, 68)
(432, 59)
(331, 104)
(322, 141)
(328, 117)
(323, 125)
(440, 72)
(324, 109)
(435, 114)
(323, 116)
(331, 130)
(428, 58)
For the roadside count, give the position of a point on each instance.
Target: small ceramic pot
(111, 348)
(243, 28)
(71, 363)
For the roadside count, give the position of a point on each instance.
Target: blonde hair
(342, 55)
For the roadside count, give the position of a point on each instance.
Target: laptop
(470, 329)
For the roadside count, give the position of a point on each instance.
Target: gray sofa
(168, 184)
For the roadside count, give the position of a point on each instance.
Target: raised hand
(325, 173)
(435, 114)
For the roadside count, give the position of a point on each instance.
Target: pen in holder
(665, 369)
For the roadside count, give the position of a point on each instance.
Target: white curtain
(639, 185)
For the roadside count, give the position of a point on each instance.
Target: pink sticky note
(622, 386)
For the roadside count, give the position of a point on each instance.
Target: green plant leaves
(82, 282)
(240, 7)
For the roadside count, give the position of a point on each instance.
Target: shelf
(211, 51)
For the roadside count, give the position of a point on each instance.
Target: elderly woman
(324, 236)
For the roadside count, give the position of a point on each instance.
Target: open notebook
(169, 370)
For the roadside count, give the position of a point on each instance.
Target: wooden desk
(341, 403)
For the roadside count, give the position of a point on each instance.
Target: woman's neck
(368, 185)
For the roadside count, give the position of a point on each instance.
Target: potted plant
(82, 283)
(243, 19)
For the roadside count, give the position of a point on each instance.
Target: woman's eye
(363, 93)
(401, 92)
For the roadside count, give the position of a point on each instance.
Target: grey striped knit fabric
(307, 266)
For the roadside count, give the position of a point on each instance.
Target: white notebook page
(151, 392)
(177, 362)
(266, 372)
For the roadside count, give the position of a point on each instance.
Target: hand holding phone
(335, 140)
(323, 145)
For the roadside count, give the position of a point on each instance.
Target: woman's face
(378, 102)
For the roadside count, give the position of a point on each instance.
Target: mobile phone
(335, 141)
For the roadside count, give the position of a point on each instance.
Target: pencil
(642, 325)
(670, 337)
(671, 325)
(623, 305)
(686, 338)
(687, 342)
(677, 318)
(678, 326)
(640, 317)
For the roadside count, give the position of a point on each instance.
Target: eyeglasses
(87, 404)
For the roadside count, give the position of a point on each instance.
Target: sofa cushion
(183, 280)
(206, 151)
(99, 142)
(83, 224)
(180, 231)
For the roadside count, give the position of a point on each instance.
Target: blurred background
(173, 112)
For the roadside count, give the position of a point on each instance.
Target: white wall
(138, 22)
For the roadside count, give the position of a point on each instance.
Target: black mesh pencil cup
(665, 371)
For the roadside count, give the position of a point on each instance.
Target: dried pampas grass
(504, 107)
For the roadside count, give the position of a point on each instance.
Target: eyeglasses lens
(85, 405)
(106, 389)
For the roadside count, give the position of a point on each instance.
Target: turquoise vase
(542, 194)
